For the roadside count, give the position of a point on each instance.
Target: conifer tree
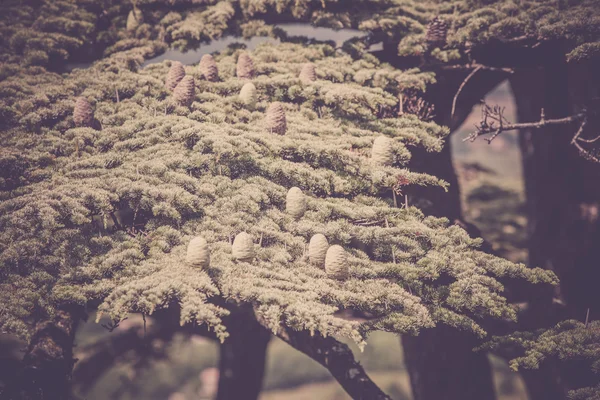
(109, 217)
(121, 211)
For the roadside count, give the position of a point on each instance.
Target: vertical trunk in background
(441, 361)
(48, 361)
(242, 357)
(563, 201)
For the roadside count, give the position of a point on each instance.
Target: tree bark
(563, 201)
(443, 365)
(441, 361)
(48, 361)
(338, 359)
(242, 357)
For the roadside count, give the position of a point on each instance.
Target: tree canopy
(107, 174)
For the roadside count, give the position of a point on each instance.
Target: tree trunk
(243, 356)
(48, 362)
(442, 365)
(441, 361)
(563, 201)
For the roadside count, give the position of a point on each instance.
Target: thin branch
(493, 121)
(460, 88)
(387, 225)
(337, 358)
(367, 222)
(479, 66)
(584, 152)
(589, 140)
(587, 317)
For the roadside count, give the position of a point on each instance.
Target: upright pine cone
(185, 91)
(336, 262)
(198, 254)
(276, 122)
(134, 19)
(248, 94)
(83, 114)
(295, 202)
(317, 250)
(308, 73)
(245, 67)
(176, 74)
(243, 247)
(382, 152)
(437, 31)
(208, 68)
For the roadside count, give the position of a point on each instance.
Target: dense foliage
(101, 215)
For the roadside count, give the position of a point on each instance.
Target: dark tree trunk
(442, 365)
(336, 357)
(48, 362)
(243, 356)
(563, 201)
(441, 361)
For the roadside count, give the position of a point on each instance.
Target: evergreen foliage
(180, 194)
(105, 216)
(571, 342)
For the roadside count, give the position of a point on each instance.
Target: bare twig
(411, 102)
(387, 225)
(584, 152)
(460, 88)
(401, 100)
(368, 222)
(480, 66)
(493, 121)
(587, 317)
(114, 324)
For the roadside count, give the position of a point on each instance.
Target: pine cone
(83, 114)
(382, 152)
(134, 19)
(185, 91)
(336, 262)
(317, 250)
(245, 67)
(308, 73)
(208, 68)
(276, 122)
(437, 31)
(248, 95)
(295, 202)
(198, 254)
(175, 75)
(243, 247)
